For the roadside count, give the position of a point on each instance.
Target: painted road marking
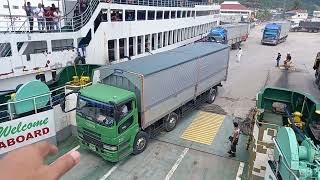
(76, 148)
(110, 171)
(175, 166)
(240, 170)
(204, 128)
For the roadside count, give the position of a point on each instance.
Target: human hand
(26, 163)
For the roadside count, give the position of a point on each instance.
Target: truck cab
(271, 33)
(218, 35)
(107, 121)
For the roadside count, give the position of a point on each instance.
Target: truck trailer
(128, 101)
(231, 34)
(275, 33)
(307, 26)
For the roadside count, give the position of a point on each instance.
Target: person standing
(56, 19)
(278, 59)
(29, 13)
(239, 54)
(234, 139)
(39, 13)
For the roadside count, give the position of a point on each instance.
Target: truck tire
(140, 142)
(171, 122)
(212, 94)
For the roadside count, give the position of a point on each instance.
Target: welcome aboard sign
(26, 130)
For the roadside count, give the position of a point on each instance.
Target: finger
(64, 164)
(45, 148)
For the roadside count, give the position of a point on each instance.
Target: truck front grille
(92, 137)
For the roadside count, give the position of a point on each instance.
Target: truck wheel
(171, 122)
(212, 94)
(140, 142)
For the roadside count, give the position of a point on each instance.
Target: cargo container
(307, 26)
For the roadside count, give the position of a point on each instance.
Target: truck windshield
(271, 31)
(216, 37)
(98, 112)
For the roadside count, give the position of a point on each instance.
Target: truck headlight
(110, 147)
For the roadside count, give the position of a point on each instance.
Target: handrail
(10, 114)
(77, 22)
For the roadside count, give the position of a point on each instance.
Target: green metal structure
(294, 160)
(295, 101)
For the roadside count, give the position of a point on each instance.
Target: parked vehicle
(307, 26)
(275, 33)
(130, 101)
(231, 34)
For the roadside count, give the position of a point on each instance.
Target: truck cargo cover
(151, 64)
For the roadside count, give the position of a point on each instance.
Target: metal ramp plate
(204, 128)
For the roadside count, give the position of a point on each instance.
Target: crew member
(234, 139)
(278, 59)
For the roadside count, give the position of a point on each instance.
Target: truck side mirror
(63, 102)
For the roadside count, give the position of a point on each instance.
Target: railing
(25, 24)
(6, 113)
(161, 3)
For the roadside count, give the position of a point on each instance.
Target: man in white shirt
(239, 54)
(39, 14)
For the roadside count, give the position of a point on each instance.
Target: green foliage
(310, 5)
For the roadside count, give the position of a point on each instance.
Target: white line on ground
(175, 166)
(240, 170)
(75, 148)
(110, 172)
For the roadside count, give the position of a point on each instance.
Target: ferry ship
(105, 32)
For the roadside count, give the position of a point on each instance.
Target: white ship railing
(21, 24)
(55, 96)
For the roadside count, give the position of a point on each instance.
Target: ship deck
(170, 155)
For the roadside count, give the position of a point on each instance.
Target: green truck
(128, 101)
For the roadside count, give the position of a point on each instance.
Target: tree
(296, 4)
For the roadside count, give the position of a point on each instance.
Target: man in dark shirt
(29, 12)
(278, 59)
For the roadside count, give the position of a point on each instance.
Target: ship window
(5, 50)
(130, 15)
(111, 50)
(173, 14)
(139, 44)
(63, 44)
(151, 15)
(116, 15)
(166, 14)
(193, 13)
(34, 47)
(141, 15)
(184, 13)
(159, 14)
(131, 42)
(178, 14)
(15, 7)
(159, 39)
(147, 43)
(121, 48)
(164, 39)
(188, 13)
(104, 15)
(5, 6)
